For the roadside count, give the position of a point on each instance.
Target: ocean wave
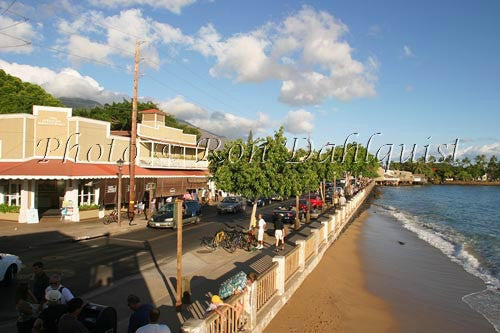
(452, 244)
(486, 303)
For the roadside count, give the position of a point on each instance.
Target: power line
(14, 24)
(8, 7)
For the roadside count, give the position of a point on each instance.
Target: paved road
(88, 265)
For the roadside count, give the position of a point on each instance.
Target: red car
(316, 201)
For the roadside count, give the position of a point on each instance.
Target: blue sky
(409, 70)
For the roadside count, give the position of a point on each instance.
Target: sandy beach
(333, 298)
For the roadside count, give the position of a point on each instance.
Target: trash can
(98, 318)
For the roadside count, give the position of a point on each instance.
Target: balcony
(171, 163)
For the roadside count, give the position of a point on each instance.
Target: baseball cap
(53, 295)
(216, 299)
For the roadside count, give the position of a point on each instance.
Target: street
(88, 265)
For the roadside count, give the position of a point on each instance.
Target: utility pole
(133, 136)
(178, 221)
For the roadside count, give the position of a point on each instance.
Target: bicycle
(113, 217)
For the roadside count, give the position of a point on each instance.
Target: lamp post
(120, 165)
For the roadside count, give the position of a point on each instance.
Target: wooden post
(178, 221)
(119, 199)
(133, 135)
(297, 210)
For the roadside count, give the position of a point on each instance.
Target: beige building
(50, 159)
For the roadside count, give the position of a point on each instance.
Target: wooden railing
(266, 286)
(310, 245)
(227, 319)
(291, 263)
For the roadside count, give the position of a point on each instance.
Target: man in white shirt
(261, 224)
(154, 326)
(55, 284)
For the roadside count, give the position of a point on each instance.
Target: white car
(10, 265)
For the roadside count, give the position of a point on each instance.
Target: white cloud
(65, 83)
(225, 124)
(120, 33)
(472, 151)
(18, 29)
(408, 52)
(299, 122)
(175, 6)
(305, 51)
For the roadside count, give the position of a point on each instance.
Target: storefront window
(13, 197)
(86, 195)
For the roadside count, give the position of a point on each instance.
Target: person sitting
(140, 315)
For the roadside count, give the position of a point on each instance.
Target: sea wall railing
(268, 294)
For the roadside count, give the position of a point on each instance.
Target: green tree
(17, 96)
(493, 168)
(120, 115)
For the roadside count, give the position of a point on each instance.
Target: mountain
(207, 134)
(79, 103)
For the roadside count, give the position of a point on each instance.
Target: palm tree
(465, 162)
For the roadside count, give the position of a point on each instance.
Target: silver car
(232, 205)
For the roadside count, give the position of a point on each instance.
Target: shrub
(4, 208)
(88, 207)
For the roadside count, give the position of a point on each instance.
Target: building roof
(153, 111)
(57, 169)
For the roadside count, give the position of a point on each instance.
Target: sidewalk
(58, 231)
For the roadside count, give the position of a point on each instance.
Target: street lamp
(120, 165)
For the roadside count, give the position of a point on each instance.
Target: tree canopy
(17, 96)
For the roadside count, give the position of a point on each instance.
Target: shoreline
(334, 298)
(424, 287)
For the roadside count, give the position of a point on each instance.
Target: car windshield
(166, 209)
(229, 199)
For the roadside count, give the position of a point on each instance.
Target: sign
(150, 186)
(111, 189)
(32, 215)
(172, 190)
(50, 121)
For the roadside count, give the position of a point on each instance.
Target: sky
(413, 71)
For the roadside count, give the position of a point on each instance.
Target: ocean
(463, 222)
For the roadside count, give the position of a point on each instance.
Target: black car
(286, 214)
(164, 217)
(261, 202)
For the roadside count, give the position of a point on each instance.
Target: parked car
(232, 205)
(277, 197)
(316, 201)
(164, 218)
(287, 214)
(261, 202)
(10, 265)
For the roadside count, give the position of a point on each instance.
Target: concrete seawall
(278, 284)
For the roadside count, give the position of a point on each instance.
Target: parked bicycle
(113, 217)
(230, 240)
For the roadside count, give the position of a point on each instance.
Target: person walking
(278, 234)
(69, 323)
(40, 281)
(48, 320)
(140, 314)
(55, 284)
(154, 326)
(26, 308)
(261, 224)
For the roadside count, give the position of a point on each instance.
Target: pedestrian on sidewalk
(278, 234)
(26, 308)
(216, 305)
(261, 224)
(40, 281)
(140, 315)
(69, 323)
(154, 326)
(55, 284)
(48, 320)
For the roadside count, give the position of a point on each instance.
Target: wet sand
(423, 286)
(333, 298)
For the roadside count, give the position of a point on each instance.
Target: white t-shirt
(153, 328)
(261, 224)
(66, 293)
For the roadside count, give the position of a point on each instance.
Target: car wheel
(10, 275)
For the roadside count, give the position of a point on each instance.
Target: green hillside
(17, 96)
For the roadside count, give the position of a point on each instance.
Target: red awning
(56, 169)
